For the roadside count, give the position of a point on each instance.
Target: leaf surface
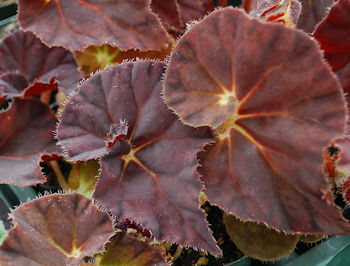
(26, 62)
(26, 133)
(150, 175)
(313, 11)
(77, 24)
(168, 11)
(259, 241)
(53, 230)
(96, 58)
(124, 250)
(334, 36)
(267, 103)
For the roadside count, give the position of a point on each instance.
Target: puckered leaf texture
(56, 230)
(334, 36)
(76, 24)
(26, 133)
(149, 175)
(25, 62)
(274, 104)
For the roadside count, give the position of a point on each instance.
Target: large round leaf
(56, 230)
(76, 24)
(149, 176)
(274, 104)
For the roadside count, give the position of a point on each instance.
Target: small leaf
(26, 133)
(83, 176)
(55, 230)
(259, 241)
(77, 24)
(25, 62)
(124, 250)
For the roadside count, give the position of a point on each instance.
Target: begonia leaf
(26, 133)
(259, 241)
(96, 58)
(26, 61)
(77, 24)
(83, 176)
(311, 238)
(312, 12)
(281, 11)
(124, 250)
(140, 172)
(333, 34)
(168, 11)
(58, 229)
(190, 10)
(275, 106)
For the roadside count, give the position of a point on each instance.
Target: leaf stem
(60, 178)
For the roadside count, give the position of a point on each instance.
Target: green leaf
(3, 232)
(332, 252)
(244, 261)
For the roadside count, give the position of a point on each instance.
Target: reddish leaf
(282, 11)
(12, 84)
(26, 132)
(191, 10)
(275, 106)
(76, 24)
(313, 11)
(40, 87)
(249, 5)
(334, 36)
(168, 11)
(96, 58)
(124, 250)
(53, 230)
(139, 182)
(26, 61)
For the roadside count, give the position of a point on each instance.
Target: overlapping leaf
(259, 241)
(26, 62)
(313, 11)
(56, 230)
(124, 250)
(26, 132)
(96, 58)
(168, 11)
(191, 10)
(76, 24)
(334, 36)
(274, 104)
(83, 176)
(150, 176)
